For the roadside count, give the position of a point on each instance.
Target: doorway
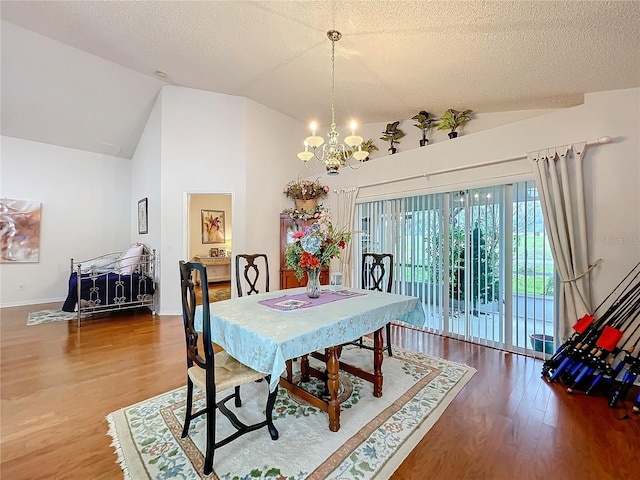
(210, 239)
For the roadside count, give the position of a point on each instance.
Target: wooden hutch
(288, 227)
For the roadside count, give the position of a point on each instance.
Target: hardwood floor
(59, 382)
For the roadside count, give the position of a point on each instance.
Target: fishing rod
(628, 379)
(599, 357)
(632, 363)
(588, 355)
(587, 327)
(604, 366)
(598, 364)
(588, 330)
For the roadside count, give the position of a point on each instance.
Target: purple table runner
(301, 300)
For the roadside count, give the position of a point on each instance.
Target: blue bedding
(107, 289)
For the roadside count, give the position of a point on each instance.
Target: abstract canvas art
(20, 230)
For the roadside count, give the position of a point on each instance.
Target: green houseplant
(392, 134)
(366, 146)
(452, 119)
(424, 123)
(369, 146)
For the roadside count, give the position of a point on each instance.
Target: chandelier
(332, 153)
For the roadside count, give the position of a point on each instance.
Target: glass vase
(313, 283)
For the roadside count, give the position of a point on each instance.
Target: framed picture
(20, 231)
(212, 226)
(143, 219)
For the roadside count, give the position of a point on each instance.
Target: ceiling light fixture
(333, 154)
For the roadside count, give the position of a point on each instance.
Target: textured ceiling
(395, 57)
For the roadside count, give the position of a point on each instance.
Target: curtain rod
(427, 175)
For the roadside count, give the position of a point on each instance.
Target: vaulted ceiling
(395, 58)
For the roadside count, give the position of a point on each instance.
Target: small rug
(218, 294)
(48, 316)
(375, 436)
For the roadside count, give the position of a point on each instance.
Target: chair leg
(187, 415)
(271, 400)
(211, 431)
(389, 339)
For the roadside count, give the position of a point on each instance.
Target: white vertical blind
(475, 258)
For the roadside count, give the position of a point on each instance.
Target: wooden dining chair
(377, 274)
(214, 372)
(253, 265)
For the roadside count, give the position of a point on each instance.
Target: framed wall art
(143, 217)
(212, 226)
(20, 230)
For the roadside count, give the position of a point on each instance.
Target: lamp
(333, 154)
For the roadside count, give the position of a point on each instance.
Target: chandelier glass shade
(331, 152)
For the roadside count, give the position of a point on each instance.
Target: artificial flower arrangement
(304, 215)
(305, 189)
(314, 246)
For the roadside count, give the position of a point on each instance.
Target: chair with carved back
(249, 268)
(214, 372)
(377, 274)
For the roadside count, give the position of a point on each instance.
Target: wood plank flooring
(59, 382)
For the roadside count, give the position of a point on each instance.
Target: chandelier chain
(333, 153)
(333, 81)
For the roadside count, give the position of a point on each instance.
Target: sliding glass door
(478, 259)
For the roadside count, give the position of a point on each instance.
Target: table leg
(378, 347)
(332, 384)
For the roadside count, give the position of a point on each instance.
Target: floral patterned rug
(375, 436)
(218, 294)
(48, 316)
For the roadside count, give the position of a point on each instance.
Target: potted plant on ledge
(366, 146)
(392, 134)
(424, 123)
(452, 119)
(369, 146)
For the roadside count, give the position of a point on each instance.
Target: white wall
(145, 183)
(209, 142)
(272, 140)
(86, 208)
(612, 172)
(411, 140)
(224, 144)
(202, 152)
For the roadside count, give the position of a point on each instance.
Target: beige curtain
(559, 178)
(346, 210)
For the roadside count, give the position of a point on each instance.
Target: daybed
(115, 281)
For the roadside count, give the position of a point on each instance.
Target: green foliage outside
(534, 274)
(523, 283)
(526, 279)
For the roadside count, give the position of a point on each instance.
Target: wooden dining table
(267, 331)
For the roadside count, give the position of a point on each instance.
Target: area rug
(219, 294)
(48, 316)
(375, 436)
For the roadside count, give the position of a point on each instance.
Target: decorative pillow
(129, 260)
